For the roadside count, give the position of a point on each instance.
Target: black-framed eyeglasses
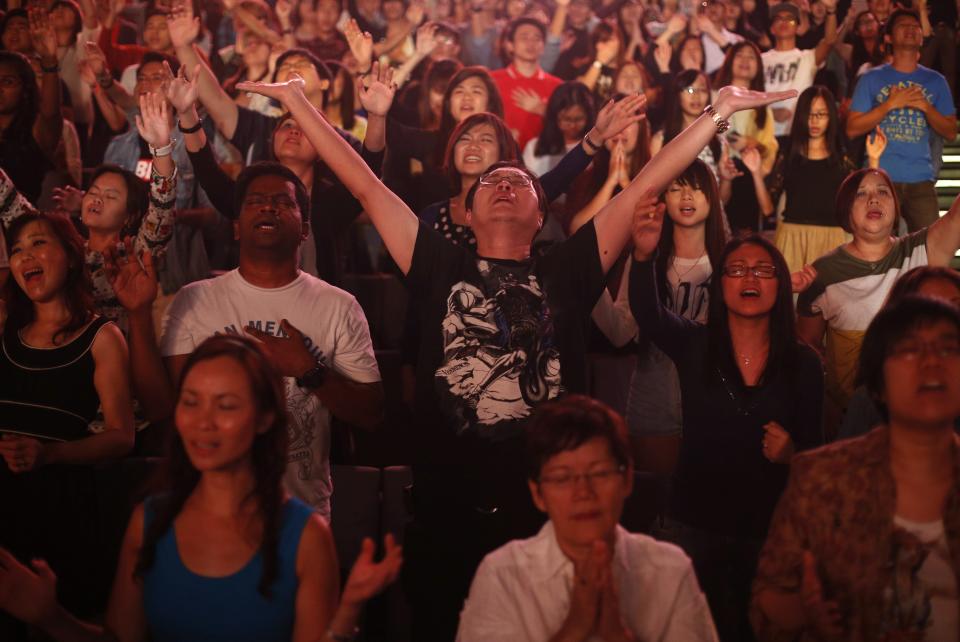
(761, 271)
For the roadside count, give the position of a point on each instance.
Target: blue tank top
(181, 605)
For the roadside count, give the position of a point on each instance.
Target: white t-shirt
(336, 332)
(521, 591)
(713, 54)
(936, 577)
(783, 70)
(689, 281)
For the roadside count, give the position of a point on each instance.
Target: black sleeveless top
(24, 162)
(48, 393)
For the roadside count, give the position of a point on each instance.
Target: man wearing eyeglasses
(314, 333)
(787, 67)
(910, 103)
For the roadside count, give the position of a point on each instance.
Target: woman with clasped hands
(583, 577)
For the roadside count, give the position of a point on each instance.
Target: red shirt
(524, 124)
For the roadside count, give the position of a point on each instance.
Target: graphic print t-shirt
(336, 333)
(783, 70)
(907, 156)
(499, 337)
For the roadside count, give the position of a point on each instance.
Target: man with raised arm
(503, 330)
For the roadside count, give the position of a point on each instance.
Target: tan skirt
(803, 244)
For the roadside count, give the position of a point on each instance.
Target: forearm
(119, 96)
(859, 123)
(402, 73)
(255, 26)
(943, 236)
(194, 141)
(559, 21)
(763, 194)
(589, 79)
(64, 627)
(50, 119)
(945, 126)
(726, 190)
(376, 137)
(112, 113)
(150, 380)
(359, 404)
(88, 9)
(109, 445)
(212, 96)
(829, 38)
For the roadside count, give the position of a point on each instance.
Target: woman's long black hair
(268, 453)
(29, 106)
(784, 349)
(800, 131)
(571, 93)
(724, 76)
(673, 121)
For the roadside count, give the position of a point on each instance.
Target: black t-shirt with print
(499, 337)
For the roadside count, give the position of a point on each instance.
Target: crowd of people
(738, 196)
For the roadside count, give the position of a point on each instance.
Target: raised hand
(823, 618)
(95, 58)
(803, 278)
(368, 578)
(623, 167)
(752, 159)
(876, 144)
(28, 595)
(181, 93)
(663, 54)
(732, 99)
(289, 354)
(284, 9)
(282, 92)
(426, 39)
(184, 28)
(677, 23)
(617, 116)
(21, 454)
(378, 96)
(727, 169)
(777, 444)
(588, 581)
(647, 225)
(67, 199)
(607, 50)
(42, 34)
(415, 12)
(153, 121)
(361, 44)
(133, 277)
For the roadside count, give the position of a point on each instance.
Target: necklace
(747, 360)
(673, 266)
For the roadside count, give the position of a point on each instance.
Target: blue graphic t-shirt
(907, 158)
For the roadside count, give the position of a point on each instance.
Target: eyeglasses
(787, 19)
(516, 179)
(761, 271)
(278, 201)
(910, 350)
(693, 91)
(569, 480)
(819, 115)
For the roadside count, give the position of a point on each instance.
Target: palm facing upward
(134, 286)
(368, 578)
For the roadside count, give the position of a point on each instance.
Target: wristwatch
(313, 378)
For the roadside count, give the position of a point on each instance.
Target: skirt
(803, 244)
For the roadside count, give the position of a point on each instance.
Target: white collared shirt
(521, 592)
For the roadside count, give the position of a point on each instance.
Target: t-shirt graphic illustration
(499, 354)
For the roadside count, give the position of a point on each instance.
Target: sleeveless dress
(181, 605)
(52, 512)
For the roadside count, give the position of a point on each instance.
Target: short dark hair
(322, 70)
(847, 194)
(568, 423)
(156, 56)
(542, 200)
(888, 328)
(77, 13)
(271, 168)
(138, 195)
(913, 280)
(896, 15)
(525, 20)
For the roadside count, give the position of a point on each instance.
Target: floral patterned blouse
(155, 231)
(840, 504)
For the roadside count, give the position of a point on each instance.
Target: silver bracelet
(721, 123)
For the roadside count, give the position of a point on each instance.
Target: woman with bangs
(342, 100)
(750, 139)
(854, 279)
(751, 395)
(222, 552)
(809, 172)
(416, 169)
(60, 363)
(570, 115)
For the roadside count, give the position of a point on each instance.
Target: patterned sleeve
(13, 204)
(157, 226)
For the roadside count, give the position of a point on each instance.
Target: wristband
(286, 32)
(166, 150)
(721, 123)
(589, 143)
(341, 637)
(54, 69)
(190, 130)
(597, 64)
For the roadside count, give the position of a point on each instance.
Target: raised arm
(184, 29)
(48, 127)
(829, 32)
(395, 222)
(943, 236)
(613, 223)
